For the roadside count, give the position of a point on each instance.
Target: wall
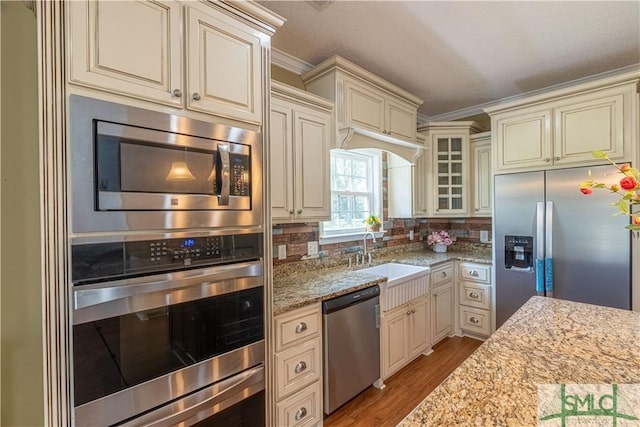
(286, 77)
(21, 349)
(396, 234)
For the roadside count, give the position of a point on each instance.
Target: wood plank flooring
(405, 389)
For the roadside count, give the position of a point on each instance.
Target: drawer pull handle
(474, 320)
(474, 295)
(444, 274)
(301, 327)
(474, 273)
(301, 366)
(301, 413)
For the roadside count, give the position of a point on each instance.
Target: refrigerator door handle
(548, 241)
(540, 248)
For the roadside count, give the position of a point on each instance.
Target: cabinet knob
(474, 295)
(290, 211)
(301, 327)
(474, 320)
(177, 93)
(196, 96)
(473, 273)
(413, 311)
(299, 211)
(444, 274)
(301, 413)
(557, 158)
(547, 160)
(409, 313)
(300, 366)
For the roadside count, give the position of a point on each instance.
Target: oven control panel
(110, 261)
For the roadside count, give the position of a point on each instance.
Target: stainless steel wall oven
(135, 169)
(168, 330)
(166, 245)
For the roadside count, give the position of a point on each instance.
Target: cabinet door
(442, 309)
(523, 140)
(224, 66)
(451, 174)
(482, 179)
(132, 48)
(364, 106)
(311, 151)
(420, 185)
(394, 339)
(591, 122)
(281, 154)
(418, 327)
(400, 120)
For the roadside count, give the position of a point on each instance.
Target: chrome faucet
(367, 254)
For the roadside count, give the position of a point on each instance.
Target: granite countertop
(297, 285)
(547, 341)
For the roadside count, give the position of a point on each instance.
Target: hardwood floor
(405, 389)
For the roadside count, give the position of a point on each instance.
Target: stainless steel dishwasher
(351, 333)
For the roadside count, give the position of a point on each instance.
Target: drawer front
(441, 274)
(302, 409)
(297, 367)
(475, 320)
(297, 326)
(475, 295)
(475, 273)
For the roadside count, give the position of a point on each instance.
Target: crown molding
(289, 62)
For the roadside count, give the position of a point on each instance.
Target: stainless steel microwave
(135, 169)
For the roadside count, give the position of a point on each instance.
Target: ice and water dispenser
(518, 253)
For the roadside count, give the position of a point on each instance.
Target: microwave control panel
(111, 261)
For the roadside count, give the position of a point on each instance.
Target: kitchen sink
(397, 273)
(404, 283)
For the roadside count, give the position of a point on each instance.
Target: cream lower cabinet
(475, 306)
(300, 141)
(136, 49)
(563, 127)
(442, 302)
(405, 334)
(298, 368)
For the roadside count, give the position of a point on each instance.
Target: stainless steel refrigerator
(552, 240)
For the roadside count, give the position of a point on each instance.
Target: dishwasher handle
(344, 301)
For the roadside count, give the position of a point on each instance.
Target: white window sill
(350, 237)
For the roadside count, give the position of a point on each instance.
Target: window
(355, 190)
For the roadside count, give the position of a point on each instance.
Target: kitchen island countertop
(547, 341)
(296, 287)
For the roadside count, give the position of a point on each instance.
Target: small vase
(374, 227)
(439, 247)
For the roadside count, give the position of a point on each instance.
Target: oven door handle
(100, 293)
(216, 395)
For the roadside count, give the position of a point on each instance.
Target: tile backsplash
(296, 237)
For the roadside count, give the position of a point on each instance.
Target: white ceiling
(457, 55)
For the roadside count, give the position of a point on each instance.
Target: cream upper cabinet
(202, 57)
(300, 138)
(482, 174)
(364, 100)
(224, 66)
(420, 182)
(450, 169)
(563, 127)
(132, 48)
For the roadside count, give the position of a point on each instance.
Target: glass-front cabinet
(451, 167)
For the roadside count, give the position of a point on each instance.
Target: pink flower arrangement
(439, 237)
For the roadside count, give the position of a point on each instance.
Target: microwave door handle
(121, 289)
(223, 198)
(207, 398)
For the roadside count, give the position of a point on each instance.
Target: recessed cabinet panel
(482, 176)
(365, 107)
(587, 126)
(524, 140)
(281, 162)
(224, 67)
(442, 306)
(401, 120)
(132, 48)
